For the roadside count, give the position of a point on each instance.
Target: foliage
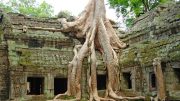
(27, 7)
(64, 14)
(130, 9)
(66, 97)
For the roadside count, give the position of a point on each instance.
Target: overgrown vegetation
(27, 7)
(98, 34)
(64, 14)
(24, 60)
(167, 49)
(130, 9)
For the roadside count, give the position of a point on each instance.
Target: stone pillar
(84, 86)
(11, 87)
(133, 76)
(49, 85)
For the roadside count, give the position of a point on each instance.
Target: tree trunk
(95, 28)
(160, 79)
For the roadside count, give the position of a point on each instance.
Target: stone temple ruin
(34, 58)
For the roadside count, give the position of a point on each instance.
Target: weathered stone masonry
(37, 59)
(36, 55)
(4, 73)
(154, 34)
(4, 63)
(33, 61)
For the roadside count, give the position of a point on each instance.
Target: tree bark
(160, 79)
(96, 29)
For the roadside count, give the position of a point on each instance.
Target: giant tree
(98, 33)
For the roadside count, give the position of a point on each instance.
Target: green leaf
(134, 8)
(28, 7)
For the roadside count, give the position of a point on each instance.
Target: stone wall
(36, 53)
(154, 34)
(4, 63)
(39, 52)
(29, 47)
(32, 50)
(4, 73)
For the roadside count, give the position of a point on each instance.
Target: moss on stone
(178, 16)
(128, 58)
(167, 49)
(24, 59)
(1, 33)
(4, 24)
(128, 92)
(174, 56)
(175, 48)
(66, 97)
(148, 54)
(174, 53)
(155, 49)
(147, 98)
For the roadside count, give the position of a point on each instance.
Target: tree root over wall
(160, 79)
(96, 29)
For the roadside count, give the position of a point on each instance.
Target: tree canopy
(27, 7)
(131, 9)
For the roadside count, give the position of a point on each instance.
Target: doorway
(127, 80)
(101, 82)
(60, 85)
(35, 85)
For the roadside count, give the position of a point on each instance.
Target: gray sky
(76, 6)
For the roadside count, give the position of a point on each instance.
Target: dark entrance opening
(177, 74)
(152, 81)
(60, 85)
(101, 82)
(35, 85)
(127, 80)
